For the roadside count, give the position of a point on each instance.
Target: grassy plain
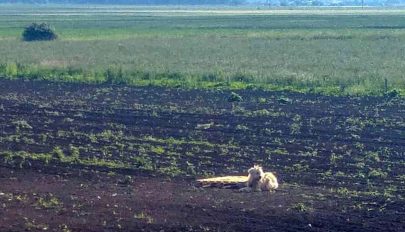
(333, 51)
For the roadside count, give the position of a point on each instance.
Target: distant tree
(36, 32)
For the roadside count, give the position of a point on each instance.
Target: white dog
(259, 180)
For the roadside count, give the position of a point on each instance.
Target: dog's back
(269, 181)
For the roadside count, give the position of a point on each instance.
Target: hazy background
(223, 2)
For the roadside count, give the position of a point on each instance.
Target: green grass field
(331, 51)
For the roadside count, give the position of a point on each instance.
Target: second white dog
(259, 180)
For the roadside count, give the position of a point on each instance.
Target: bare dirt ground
(114, 158)
(91, 201)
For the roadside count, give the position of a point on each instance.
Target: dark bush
(36, 32)
(392, 94)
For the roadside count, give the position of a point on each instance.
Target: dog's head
(256, 173)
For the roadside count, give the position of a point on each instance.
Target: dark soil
(340, 160)
(92, 201)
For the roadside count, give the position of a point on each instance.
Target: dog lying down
(257, 180)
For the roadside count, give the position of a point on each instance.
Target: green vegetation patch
(328, 52)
